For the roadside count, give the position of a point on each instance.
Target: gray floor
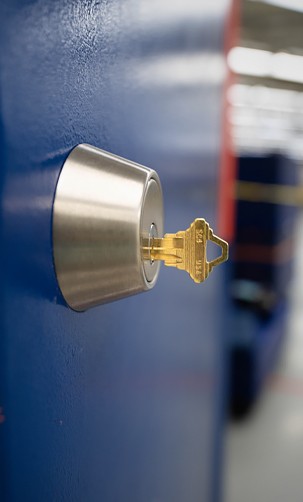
(264, 453)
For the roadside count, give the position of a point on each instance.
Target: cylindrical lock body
(104, 206)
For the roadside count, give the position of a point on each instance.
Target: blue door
(122, 402)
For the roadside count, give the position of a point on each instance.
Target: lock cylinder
(104, 208)
(108, 228)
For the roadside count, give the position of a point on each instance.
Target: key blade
(169, 249)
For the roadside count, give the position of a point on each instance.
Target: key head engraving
(195, 250)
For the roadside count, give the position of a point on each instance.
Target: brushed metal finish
(104, 205)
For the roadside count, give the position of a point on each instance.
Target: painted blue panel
(122, 402)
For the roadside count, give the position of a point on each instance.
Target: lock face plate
(103, 207)
(151, 225)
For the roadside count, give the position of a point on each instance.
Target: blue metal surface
(261, 267)
(122, 402)
(265, 232)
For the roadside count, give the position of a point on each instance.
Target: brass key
(186, 250)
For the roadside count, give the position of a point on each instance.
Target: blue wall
(121, 403)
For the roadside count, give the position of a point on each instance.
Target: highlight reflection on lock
(108, 228)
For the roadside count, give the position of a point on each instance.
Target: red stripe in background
(259, 253)
(228, 161)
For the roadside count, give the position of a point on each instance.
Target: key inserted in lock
(108, 227)
(187, 250)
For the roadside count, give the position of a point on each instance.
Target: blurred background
(264, 437)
